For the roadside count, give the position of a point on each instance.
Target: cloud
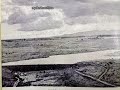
(74, 8)
(95, 1)
(42, 20)
(93, 19)
(71, 8)
(32, 20)
(67, 29)
(42, 24)
(69, 12)
(108, 8)
(19, 17)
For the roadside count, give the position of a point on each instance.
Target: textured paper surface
(60, 44)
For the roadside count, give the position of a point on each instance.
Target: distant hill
(94, 33)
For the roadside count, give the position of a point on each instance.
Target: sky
(19, 20)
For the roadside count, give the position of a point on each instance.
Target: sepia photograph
(60, 43)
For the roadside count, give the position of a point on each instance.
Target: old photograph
(63, 43)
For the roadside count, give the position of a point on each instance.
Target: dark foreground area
(104, 73)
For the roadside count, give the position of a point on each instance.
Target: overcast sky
(67, 17)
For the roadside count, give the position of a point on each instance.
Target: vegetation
(25, 49)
